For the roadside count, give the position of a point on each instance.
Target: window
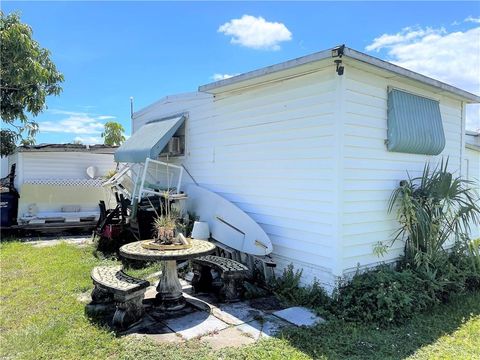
(414, 124)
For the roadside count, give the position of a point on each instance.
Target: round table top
(136, 251)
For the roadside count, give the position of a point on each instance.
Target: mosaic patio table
(169, 289)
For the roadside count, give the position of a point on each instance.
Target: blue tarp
(414, 124)
(148, 141)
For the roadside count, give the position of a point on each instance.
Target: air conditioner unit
(174, 146)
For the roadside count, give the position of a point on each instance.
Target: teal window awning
(414, 124)
(148, 141)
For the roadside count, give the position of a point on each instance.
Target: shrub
(464, 264)
(383, 296)
(433, 209)
(289, 290)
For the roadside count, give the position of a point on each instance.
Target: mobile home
(312, 148)
(60, 182)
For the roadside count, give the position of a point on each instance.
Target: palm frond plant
(433, 209)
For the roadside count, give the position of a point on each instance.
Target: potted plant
(165, 227)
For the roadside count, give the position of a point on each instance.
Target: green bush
(389, 296)
(432, 209)
(289, 290)
(386, 295)
(383, 296)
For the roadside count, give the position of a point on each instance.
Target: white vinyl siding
(64, 165)
(305, 157)
(371, 172)
(271, 151)
(472, 160)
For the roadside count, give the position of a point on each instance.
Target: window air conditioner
(174, 146)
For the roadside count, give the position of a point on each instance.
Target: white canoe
(228, 224)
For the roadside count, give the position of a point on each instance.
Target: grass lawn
(41, 318)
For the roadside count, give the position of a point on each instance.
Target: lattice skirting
(67, 182)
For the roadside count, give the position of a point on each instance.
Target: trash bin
(8, 208)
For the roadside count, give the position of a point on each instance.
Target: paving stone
(267, 304)
(299, 316)
(196, 324)
(236, 313)
(230, 337)
(53, 241)
(151, 292)
(198, 303)
(269, 326)
(162, 315)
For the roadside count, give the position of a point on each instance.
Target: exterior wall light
(340, 67)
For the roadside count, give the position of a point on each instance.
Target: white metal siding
(4, 168)
(63, 165)
(305, 157)
(472, 164)
(271, 151)
(371, 173)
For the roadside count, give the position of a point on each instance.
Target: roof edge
(357, 55)
(171, 98)
(267, 70)
(93, 149)
(347, 52)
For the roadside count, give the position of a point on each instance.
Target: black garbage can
(8, 208)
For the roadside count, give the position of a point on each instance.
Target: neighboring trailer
(301, 148)
(52, 181)
(4, 170)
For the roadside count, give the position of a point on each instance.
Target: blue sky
(109, 51)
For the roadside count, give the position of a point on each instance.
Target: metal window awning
(148, 141)
(414, 124)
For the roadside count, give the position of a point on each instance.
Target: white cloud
(217, 77)
(90, 140)
(65, 112)
(256, 33)
(73, 124)
(472, 19)
(105, 117)
(407, 34)
(81, 114)
(451, 57)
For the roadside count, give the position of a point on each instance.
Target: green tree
(8, 138)
(113, 133)
(27, 76)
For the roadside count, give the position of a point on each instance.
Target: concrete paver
(196, 324)
(299, 316)
(268, 327)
